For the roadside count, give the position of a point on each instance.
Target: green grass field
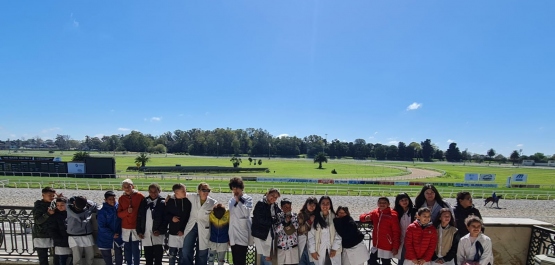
(297, 168)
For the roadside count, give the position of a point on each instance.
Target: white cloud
(375, 133)
(74, 21)
(393, 142)
(371, 137)
(99, 135)
(123, 129)
(519, 145)
(450, 141)
(414, 106)
(283, 135)
(156, 119)
(51, 129)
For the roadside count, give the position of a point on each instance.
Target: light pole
(217, 149)
(324, 143)
(269, 148)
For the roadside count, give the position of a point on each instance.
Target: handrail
(542, 242)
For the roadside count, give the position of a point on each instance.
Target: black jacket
(180, 208)
(461, 214)
(41, 219)
(58, 229)
(348, 230)
(262, 220)
(159, 222)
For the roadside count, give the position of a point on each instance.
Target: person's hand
(130, 209)
(116, 236)
(367, 218)
(332, 253)
(439, 261)
(180, 233)
(175, 219)
(415, 261)
(141, 236)
(314, 255)
(59, 195)
(156, 233)
(394, 251)
(287, 218)
(268, 258)
(51, 211)
(312, 217)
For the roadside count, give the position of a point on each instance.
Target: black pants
(153, 255)
(374, 260)
(239, 254)
(43, 256)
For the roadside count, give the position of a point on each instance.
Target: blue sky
(480, 73)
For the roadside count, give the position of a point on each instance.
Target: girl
(323, 242)
(263, 221)
(406, 214)
(306, 219)
(429, 197)
(354, 251)
(421, 239)
(475, 247)
(448, 238)
(463, 210)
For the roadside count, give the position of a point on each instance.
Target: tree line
(259, 142)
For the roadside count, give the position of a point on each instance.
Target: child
(264, 218)
(406, 214)
(152, 225)
(324, 243)
(219, 237)
(448, 238)
(306, 218)
(240, 207)
(286, 233)
(58, 232)
(80, 230)
(109, 230)
(421, 239)
(178, 209)
(475, 247)
(386, 233)
(354, 251)
(128, 210)
(42, 211)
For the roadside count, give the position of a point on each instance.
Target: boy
(80, 230)
(42, 211)
(128, 210)
(178, 209)
(386, 235)
(58, 232)
(286, 233)
(219, 237)
(109, 230)
(152, 225)
(240, 207)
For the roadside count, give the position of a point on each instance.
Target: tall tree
(453, 154)
(142, 159)
(427, 150)
(491, 153)
(514, 157)
(320, 158)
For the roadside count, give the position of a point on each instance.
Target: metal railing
(542, 242)
(16, 225)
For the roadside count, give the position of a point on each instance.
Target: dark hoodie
(461, 214)
(180, 208)
(57, 229)
(348, 230)
(262, 220)
(159, 222)
(42, 219)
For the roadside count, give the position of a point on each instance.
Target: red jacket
(386, 234)
(129, 220)
(420, 242)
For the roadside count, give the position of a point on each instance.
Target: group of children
(66, 227)
(318, 235)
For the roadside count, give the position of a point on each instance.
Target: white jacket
(314, 238)
(240, 221)
(467, 250)
(200, 215)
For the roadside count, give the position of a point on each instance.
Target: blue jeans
(263, 260)
(189, 248)
(107, 256)
(62, 259)
(175, 255)
(305, 259)
(132, 252)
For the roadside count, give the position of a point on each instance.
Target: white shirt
(467, 249)
(240, 221)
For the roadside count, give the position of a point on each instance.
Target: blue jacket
(219, 228)
(108, 224)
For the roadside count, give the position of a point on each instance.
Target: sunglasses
(205, 190)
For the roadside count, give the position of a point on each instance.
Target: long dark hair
(310, 200)
(326, 197)
(421, 199)
(400, 211)
(437, 221)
